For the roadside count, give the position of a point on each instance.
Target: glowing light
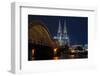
(55, 58)
(55, 50)
(71, 56)
(72, 51)
(33, 52)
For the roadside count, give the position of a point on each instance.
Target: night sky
(77, 27)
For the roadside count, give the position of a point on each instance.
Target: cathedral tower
(62, 35)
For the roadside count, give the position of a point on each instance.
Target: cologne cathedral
(62, 35)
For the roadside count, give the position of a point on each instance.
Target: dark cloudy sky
(77, 27)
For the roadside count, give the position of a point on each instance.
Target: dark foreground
(38, 52)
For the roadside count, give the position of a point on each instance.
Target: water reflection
(56, 55)
(55, 58)
(71, 56)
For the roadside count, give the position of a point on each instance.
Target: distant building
(62, 35)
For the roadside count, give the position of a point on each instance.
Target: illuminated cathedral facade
(62, 35)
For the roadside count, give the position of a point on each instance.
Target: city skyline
(77, 27)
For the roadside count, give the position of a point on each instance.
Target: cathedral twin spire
(62, 36)
(60, 28)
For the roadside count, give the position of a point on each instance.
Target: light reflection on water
(72, 56)
(63, 56)
(69, 56)
(55, 58)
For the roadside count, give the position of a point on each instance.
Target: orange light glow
(55, 49)
(55, 58)
(33, 52)
(72, 51)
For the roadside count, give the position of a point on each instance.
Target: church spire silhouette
(65, 28)
(59, 28)
(62, 36)
(59, 34)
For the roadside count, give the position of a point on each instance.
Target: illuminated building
(62, 35)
